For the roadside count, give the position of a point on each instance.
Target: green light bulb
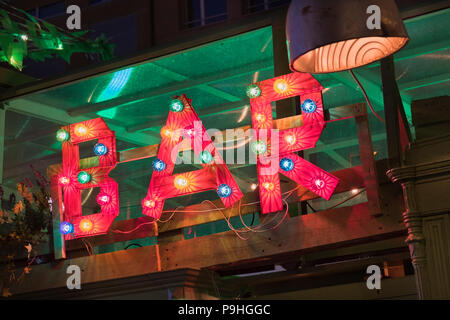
(206, 156)
(62, 135)
(176, 105)
(84, 177)
(253, 91)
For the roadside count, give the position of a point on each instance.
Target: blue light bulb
(286, 164)
(158, 165)
(66, 227)
(309, 106)
(224, 190)
(100, 149)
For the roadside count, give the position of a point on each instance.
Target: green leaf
(79, 34)
(29, 16)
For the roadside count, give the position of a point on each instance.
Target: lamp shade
(333, 35)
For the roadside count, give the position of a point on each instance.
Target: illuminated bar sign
(274, 154)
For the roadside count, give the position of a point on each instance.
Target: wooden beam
(367, 159)
(58, 245)
(301, 234)
(95, 268)
(152, 150)
(308, 233)
(392, 106)
(124, 230)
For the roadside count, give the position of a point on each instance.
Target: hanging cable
(133, 244)
(130, 231)
(248, 228)
(171, 216)
(310, 206)
(89, 248)
(237, 232)
(367, 98)
(345, 200)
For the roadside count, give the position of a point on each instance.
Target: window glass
(202, 12)
(121, 31)
(261, 5)
(52, 10)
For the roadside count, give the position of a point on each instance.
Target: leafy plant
(22, 35)
(24, 224)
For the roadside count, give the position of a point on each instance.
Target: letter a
(374, 20)
(183, 121)
(74, 281)
(74, 20)
(373, 281)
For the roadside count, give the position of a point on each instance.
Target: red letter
(73, 178)
(184, 122)
(277, 148)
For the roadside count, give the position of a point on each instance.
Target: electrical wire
(367, 98)
(202, 211)
(130, 231)
(83, 202)
(133, 244)
(345, 200)
(257, 229)
(173, 213)
(237, 232)
(89, 247)
(309, 205)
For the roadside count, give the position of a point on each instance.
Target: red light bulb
(103, 199)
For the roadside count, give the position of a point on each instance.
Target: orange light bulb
(166, 132)
(268, 186)
(260, 117)
(86, 225)
(180, 182)
(80, 130)
(169, 133)
(281, 86)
